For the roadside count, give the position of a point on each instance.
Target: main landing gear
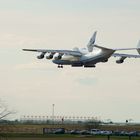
(60, 66)
(89, 66)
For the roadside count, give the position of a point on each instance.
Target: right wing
(122, 57)
(69, 52)
(137, 48)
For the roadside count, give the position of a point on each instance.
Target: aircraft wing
(125, 55)
(121, 49)
(68, 52)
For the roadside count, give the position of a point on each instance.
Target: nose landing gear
(60, 66)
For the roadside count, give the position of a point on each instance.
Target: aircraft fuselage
(87, 59)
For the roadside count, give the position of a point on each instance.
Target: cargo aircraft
(85, 57)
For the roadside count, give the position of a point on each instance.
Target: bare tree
(4, 111)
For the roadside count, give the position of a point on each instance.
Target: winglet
(138, 47)
(91, 42)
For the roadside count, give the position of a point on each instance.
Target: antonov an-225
(84, 57)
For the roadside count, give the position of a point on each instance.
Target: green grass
(19, 135)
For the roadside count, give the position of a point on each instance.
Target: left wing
(125, 55)
(69, 52)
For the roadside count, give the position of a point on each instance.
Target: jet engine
(57, 56)
(49, 56)
(41, 56)
(121, 60)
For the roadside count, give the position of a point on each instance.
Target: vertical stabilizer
(90, 45)
(138, 47)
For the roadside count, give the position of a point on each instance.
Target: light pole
(53, 112)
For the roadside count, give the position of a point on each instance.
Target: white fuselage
(87, 58)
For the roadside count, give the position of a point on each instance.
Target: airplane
(85, 57)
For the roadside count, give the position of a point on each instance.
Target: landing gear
(89, 66)
(60, 66)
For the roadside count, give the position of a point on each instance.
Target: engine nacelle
(41, 56)
(119, 61)
(49, 56)
(57, 56)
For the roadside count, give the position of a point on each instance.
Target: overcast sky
(31, 86)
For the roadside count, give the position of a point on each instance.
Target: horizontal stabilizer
(103, 48)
